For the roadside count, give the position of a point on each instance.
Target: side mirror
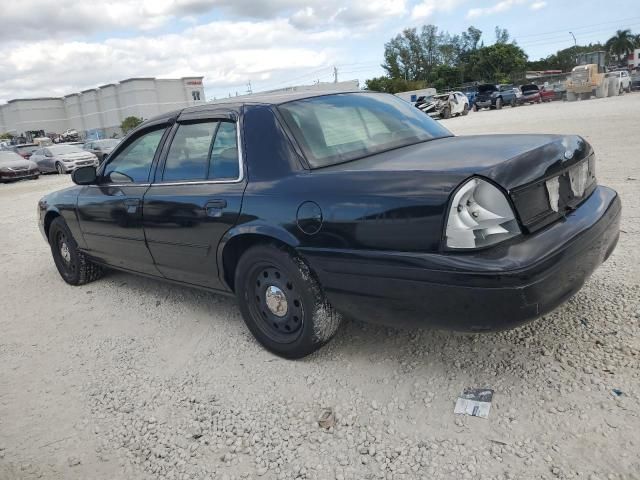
(84, 176)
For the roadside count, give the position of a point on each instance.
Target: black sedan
(310, 207)
(15, 167)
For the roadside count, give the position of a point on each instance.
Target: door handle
(132, 204)
(214, 207)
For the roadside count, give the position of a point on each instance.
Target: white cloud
(503, 6)
(538, 5)
(35, 19)
(427, 8)
(226, 52)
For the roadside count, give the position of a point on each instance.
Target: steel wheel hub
(276, 304)
(276, 301)
(64, 251)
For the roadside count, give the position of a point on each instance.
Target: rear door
(196, 196)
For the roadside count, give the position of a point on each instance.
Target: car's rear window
(487, 88)
(334, 129)
(529, 88)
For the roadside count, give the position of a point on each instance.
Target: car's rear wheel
(498, 103)
(513, 102)
(73, 265)
(465, 109)
(475, 107)
(282, 303)
(60, 168)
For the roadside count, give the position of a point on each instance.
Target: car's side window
(188, 156)
(133, 163)
(224, 154)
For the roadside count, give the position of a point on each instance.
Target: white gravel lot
(134, 378)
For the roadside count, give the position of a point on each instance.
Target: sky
(53, 48)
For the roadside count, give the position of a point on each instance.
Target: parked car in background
(63, 158)
(69, 135)
(495, 96)
(547, 94)
(623, 79)
(101, 148)
(24, 150)
(518, 93)
(15, 167)
(530, 94)
(560, 90)
(635, 80)
(308, 206)
(446, 105)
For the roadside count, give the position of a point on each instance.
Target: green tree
(621, 44)
(393, 85)
(6, 136)
(130, 123)
(499, 62)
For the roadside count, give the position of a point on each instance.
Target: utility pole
(249, 91)
(335, 74)
(575, 46)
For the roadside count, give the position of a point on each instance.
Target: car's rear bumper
(491, 289)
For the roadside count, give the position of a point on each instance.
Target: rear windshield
(529, 88)
(26, 148)
(334, 129)
(487, 88)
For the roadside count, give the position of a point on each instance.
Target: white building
(100, 111)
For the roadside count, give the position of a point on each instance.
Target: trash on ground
(327, 419)
(475, 402)
(617, 392)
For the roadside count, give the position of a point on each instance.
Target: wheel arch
(49, 217)
(237, 240)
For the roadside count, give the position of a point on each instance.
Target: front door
(110, 212)
(195, 199)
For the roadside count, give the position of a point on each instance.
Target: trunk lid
(520, 164)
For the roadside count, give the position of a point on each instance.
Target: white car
(445, 105)
(624, 80)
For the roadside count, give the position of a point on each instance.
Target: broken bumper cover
(491, 289)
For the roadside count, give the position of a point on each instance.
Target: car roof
(273, 98)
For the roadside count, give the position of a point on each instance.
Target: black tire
(304, 320)
(73, 265)
(498, 103)
(60, 169)
(465, 110)
(475, 107)
(513, 102)
(446, 113)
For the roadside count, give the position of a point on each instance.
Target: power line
(627, 19)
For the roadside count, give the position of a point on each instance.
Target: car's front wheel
(73, 265)
(282, 303)
(498, 103)
(60, 169)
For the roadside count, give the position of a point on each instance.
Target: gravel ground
(133, 378)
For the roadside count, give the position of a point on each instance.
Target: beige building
(99, 111)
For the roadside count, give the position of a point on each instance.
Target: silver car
(63, 158)
(101, 148)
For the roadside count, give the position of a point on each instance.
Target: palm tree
(621, 43)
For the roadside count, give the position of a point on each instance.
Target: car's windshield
(109, 143)
(333, 129)
(62, 149)
(8, 157)
(26, 148)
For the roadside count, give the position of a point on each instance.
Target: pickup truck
(495, 96)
